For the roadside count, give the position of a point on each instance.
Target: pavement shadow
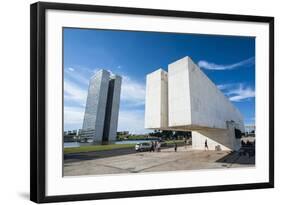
(242, 156)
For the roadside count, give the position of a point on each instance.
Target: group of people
(247, 143)
(247, 148)
(155, 146)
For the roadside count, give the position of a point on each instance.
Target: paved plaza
(128, 161)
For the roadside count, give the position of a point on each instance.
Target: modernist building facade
(185, 99)
(102, 108)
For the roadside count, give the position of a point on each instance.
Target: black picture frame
(38, 101)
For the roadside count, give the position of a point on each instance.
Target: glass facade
(102, 105)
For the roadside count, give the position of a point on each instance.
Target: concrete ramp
(217, 139)
(185, 99)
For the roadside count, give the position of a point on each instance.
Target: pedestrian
(156, 146)
(242, 143)
(176, 147)
(206, 145)
(185, 143)
(151, 148)
(159, 147)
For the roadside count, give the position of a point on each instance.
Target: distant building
(123, 133)
(87, 135)
(70, 136)
(102, 108)
(250, 129)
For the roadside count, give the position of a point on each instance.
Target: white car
(144, 146)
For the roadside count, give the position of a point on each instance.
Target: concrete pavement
(166, 160)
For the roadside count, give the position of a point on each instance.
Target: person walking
(151, 148)
(176, 147)
(206, 145)
(158, 146)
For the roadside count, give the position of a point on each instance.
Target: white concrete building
(191, 101)
(156, 105)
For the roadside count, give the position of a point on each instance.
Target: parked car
(144, 146)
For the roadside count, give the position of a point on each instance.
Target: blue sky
(229, 61)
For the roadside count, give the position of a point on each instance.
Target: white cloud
(225, 86)
(73, 117)
(73, 92)
(132, 121)
(80, 77)
(132, 92)
(237, 92)
(71, 69)
(242, 93)
(212, 66)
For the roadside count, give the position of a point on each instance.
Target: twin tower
(185, 99)
(102, 108)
